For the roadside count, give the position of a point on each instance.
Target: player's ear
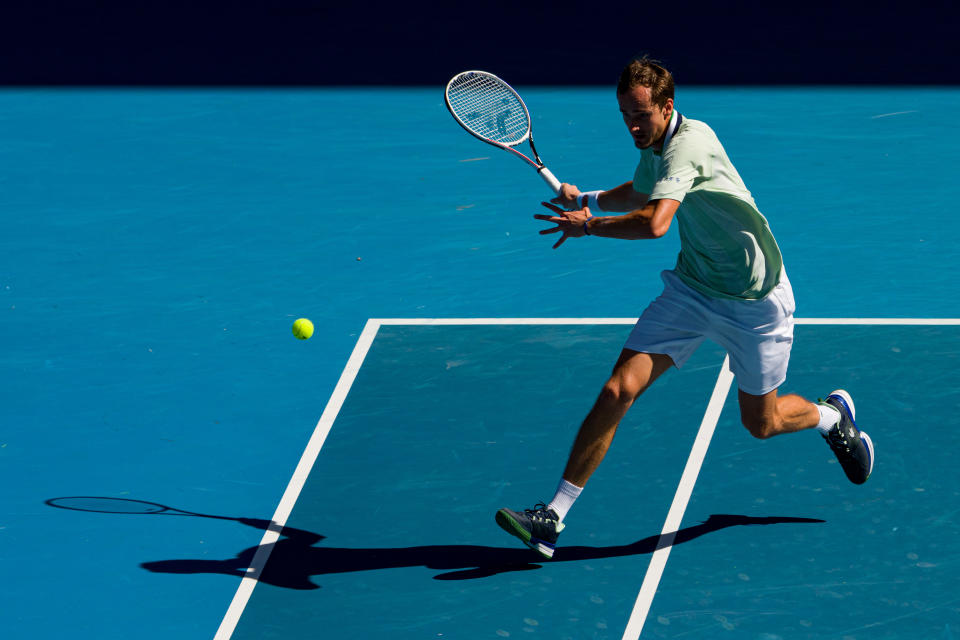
(668, 108)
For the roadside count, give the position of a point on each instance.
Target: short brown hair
(645, 72)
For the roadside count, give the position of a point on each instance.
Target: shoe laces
(837, 437)
(539, 512)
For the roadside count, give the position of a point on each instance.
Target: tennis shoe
(538, 528)
(853, 447)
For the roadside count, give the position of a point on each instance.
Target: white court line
(565, 321)
(309, 457)
(296, 483)
(895, 113)
(501, 321)
(658, 561)
(881, 321)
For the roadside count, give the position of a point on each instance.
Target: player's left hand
(569, 223)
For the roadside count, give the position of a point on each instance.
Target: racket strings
(489, 108)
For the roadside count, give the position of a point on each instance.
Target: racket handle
(550, 179)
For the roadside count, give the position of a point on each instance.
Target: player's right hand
(569, 223)
(569, 197)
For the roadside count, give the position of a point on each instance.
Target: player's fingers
(548, 218)
(553, 208)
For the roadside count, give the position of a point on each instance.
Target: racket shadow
(294, 559)
(129, 506)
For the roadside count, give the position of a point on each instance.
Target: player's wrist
(590, 199)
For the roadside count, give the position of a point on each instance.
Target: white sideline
(295, 486)
(658, 561)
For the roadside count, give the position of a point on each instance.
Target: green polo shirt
(726, 247)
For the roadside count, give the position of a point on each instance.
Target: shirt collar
(672, 127)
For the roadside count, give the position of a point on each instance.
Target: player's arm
(618, 199)
(621, 199)
(650, 221)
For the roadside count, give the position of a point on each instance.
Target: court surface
(158, 245)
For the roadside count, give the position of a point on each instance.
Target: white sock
(567, 494)
(828, 417)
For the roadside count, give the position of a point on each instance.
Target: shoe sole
(513, 527)
(869, 444)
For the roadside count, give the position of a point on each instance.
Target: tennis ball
(302, 329)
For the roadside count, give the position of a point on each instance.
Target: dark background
(306, 42)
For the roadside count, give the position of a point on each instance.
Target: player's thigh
(758, 336)
(635, 371)
(673, 325)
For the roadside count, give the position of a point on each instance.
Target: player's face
(646, 121)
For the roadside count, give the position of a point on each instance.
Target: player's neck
(673, 123)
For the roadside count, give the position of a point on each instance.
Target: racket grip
(550, 179)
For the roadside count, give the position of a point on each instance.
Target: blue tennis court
(159, 243)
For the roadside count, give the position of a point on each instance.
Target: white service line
(881, 321)
(295, 486)
(674, 517)
(614, 321)
(502, 321)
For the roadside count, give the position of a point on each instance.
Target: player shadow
(294, 559)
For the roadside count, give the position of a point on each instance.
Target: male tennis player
(728, 285)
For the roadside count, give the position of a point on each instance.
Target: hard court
(158, 244)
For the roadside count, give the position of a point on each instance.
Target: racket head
(488, 108)
(96, 504)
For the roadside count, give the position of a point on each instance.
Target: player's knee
(760, 426)
(610, 394)
(617, 392)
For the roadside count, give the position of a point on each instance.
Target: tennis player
(729, 285)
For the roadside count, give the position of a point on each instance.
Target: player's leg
(540, 526)
(758, 336)
(632, 375)
(835, 418)
(769, 415)
(667, 333)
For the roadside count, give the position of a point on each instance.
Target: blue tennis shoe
(853, 447)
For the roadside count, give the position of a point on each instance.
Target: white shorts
(757, 334)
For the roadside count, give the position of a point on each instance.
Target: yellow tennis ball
(302, 329)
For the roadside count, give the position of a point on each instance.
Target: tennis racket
(489, 108)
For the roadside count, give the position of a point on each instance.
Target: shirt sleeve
(686, 162)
